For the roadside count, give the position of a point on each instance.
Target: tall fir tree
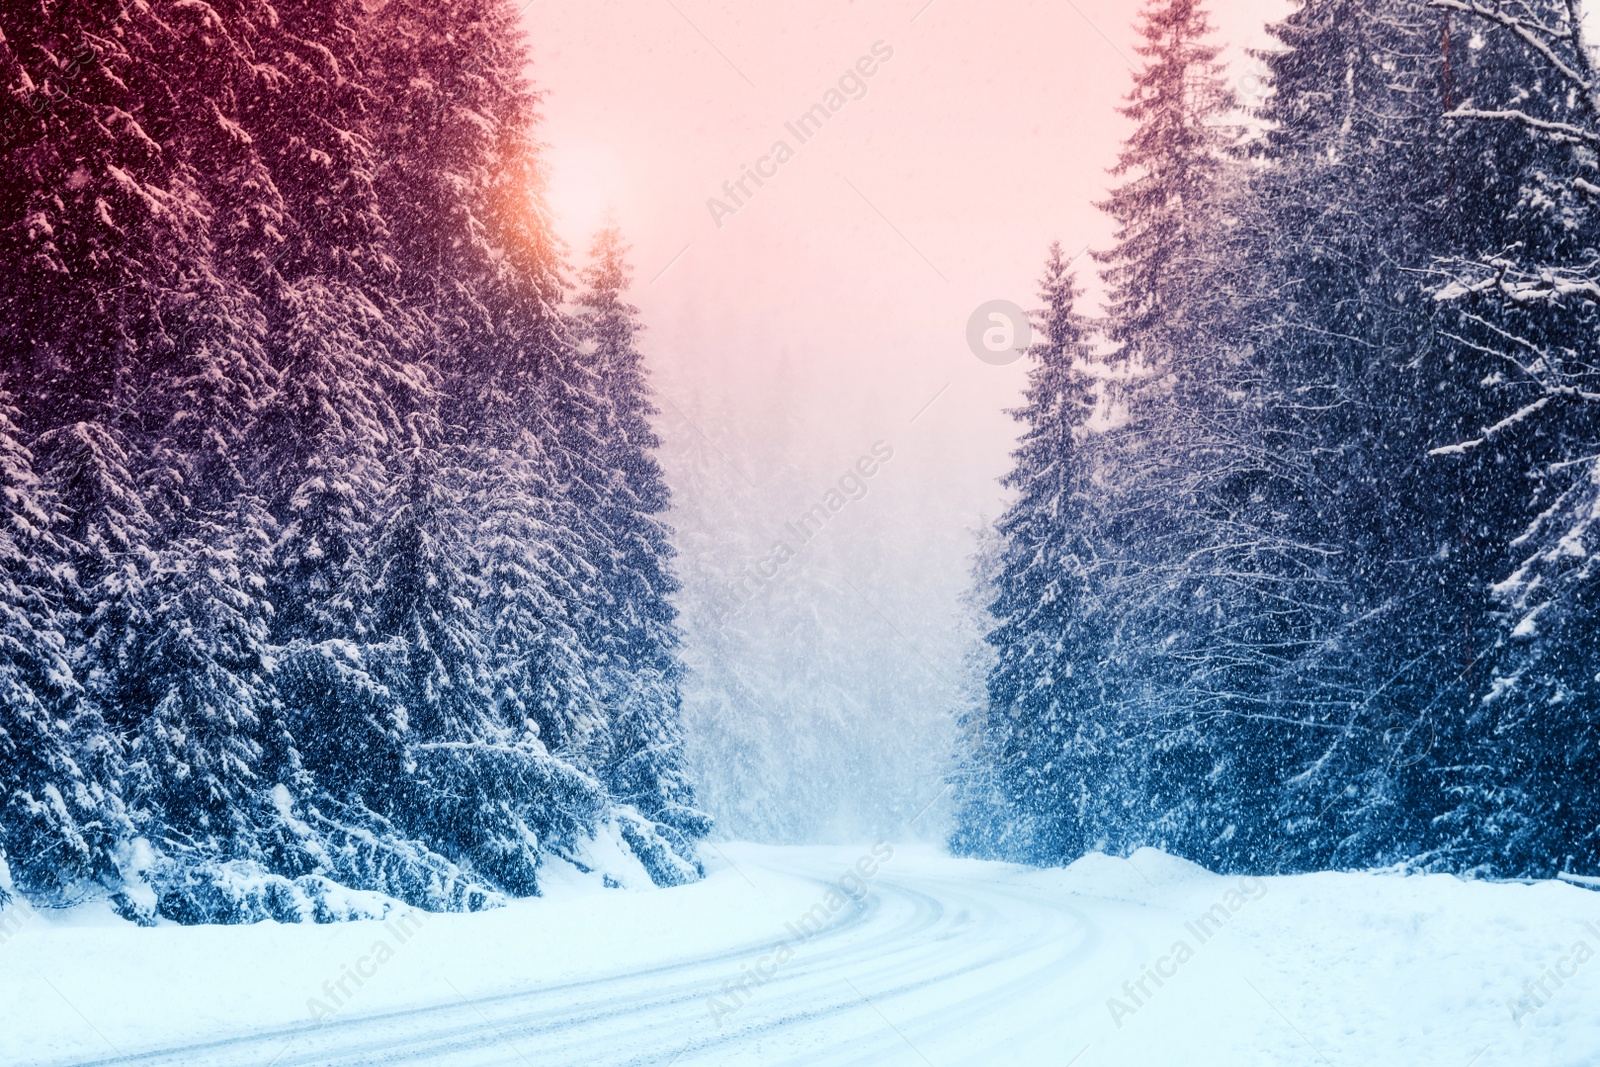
(641, 641)
(1168, 463)
(1172, 163)
(1523, 300)
(62, 823)
(1053, 760)
(1387, 629)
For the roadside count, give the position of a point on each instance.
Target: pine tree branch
(1560, 131)
(1530, 37)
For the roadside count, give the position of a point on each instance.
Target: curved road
(924, 967)
(932, 962)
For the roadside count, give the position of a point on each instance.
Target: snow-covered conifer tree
(639, 654)
(1052, 759)
(62, 825)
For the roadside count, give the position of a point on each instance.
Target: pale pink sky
(985, 136)
(835, 301)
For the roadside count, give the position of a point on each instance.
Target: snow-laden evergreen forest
(1300, 568)
(339, 563)
(331, 543)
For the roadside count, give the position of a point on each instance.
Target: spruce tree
(1053, 758)
(433, 663)
(1385, 632)
(1172, 164)
(1160, 462)
(640, 657)
(1522, 298)
(62, 823)
(188, 664)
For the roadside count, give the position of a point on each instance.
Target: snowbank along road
(877, 955)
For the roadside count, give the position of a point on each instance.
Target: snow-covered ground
(846, 956)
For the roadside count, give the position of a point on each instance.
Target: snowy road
(909, 958)
(917, 963)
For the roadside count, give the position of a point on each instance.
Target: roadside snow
(1362, 969)
(1115, 961)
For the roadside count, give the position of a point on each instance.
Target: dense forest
(334, 567)
(332, 554)
(1300, 569)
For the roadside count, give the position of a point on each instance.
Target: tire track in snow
(934, 954)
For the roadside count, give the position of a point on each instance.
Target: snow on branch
(1579, 879)
(1560, 131)
(1536, 36)
(1499, 427)
(1547, 285)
